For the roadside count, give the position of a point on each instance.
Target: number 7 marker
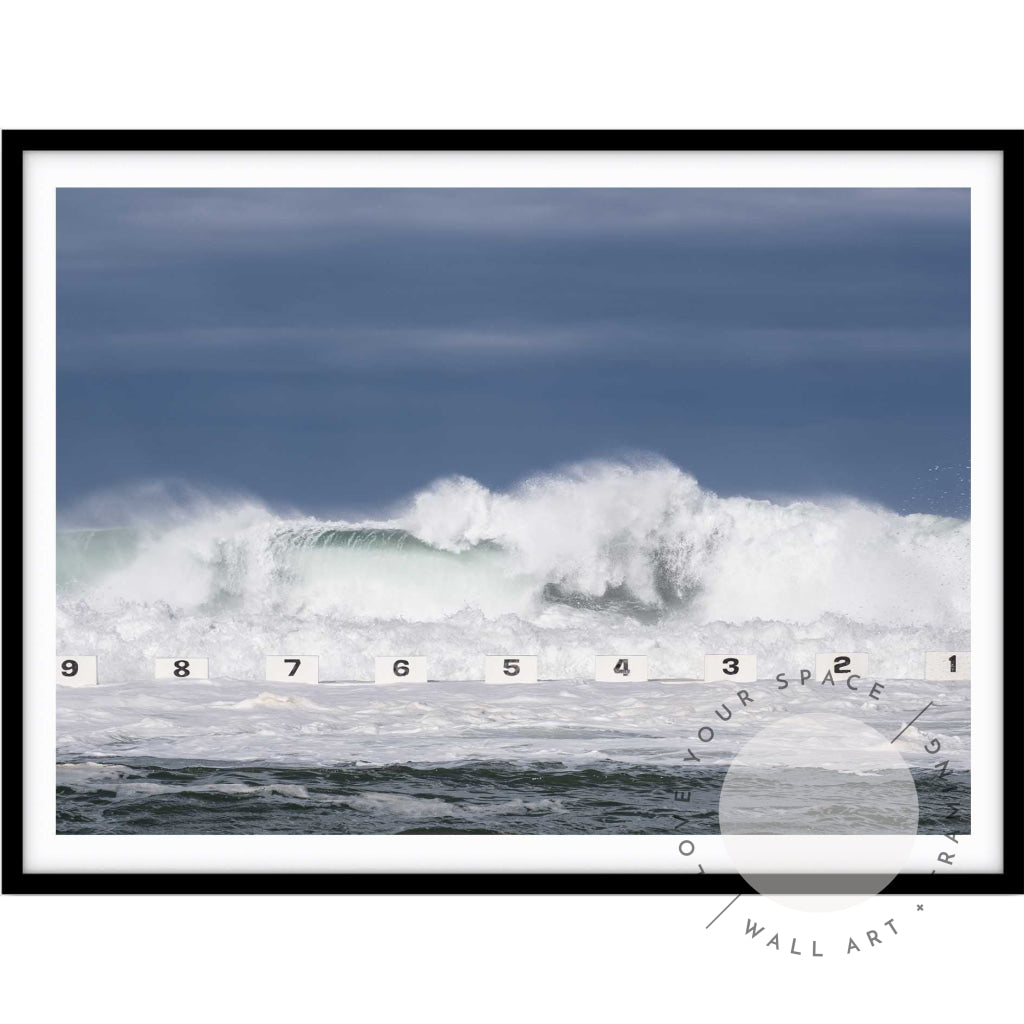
(293, 668)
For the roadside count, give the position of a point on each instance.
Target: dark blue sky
(338, 349)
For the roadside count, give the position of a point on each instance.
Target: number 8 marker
(181, 668)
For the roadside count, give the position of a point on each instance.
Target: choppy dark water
(139, 796)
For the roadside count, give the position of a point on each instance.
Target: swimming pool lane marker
(181, 668)
(504, 669)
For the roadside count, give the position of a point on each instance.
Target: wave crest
(644, 540)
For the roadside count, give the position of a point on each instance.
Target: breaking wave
(566, 562)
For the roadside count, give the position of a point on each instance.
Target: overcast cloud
(414, 333)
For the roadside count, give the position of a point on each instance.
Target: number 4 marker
(621, 668)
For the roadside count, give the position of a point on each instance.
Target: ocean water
(601, 558)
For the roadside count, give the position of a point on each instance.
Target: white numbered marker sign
(621, 668)
(510, 668)
(730, 668)
(182, 668)
(399, 669)
(941, 665)
(841, 666)
(293, 668)
(76, 670)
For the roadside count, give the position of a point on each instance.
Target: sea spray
(596, 557)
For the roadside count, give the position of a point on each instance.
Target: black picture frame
(16, 144)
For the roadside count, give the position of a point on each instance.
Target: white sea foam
(573, 723)
(598, 558)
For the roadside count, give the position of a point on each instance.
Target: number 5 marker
(504, 668)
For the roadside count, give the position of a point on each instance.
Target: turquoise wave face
(83, 556)
(640, 558)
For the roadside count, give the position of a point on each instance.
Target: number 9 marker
(76, 670)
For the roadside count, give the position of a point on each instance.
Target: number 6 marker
(392, 669)
(504, 668)
(293, 668)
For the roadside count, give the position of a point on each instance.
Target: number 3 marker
(730, 668)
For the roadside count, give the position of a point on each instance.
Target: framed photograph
(606, 512)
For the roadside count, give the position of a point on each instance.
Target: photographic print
(488, 511)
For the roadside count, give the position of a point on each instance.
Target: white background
(472, 65)
(47, 171)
